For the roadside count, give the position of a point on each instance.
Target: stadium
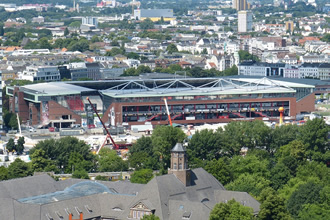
(139, 101)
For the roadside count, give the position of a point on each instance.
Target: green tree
(272, 206)
(142, 176)
(147, 24)
(3, 173)
(244, 55)
(308, 193)
(132, 55)
(150, 217)
(314, 211)
(295, 149)
(143, 69)
(44, 43)
(60, 150)
(80, 174)
(249, 164)
(314, 134)
(95, 38)
(13, 124)
(204, 145)
(2, 31)
(252, 184)
(77, 162)
(75, 24)
(40, 161)
(18, 169)
(20, 145)
(314, 170)
(231, 210)
(114, 51)
(130, 72)
(171, 48)
(66, 32)
(11, 145)
(102, 178)
(220, 170)
(164, 138)
(204, 51)
(325, 38)
(109, 161)
(82, 45)
(279, 176)
(141, 155)
(282, 135)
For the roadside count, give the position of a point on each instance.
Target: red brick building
(190, 100)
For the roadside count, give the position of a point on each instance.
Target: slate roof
(178, 148)
(39, 197)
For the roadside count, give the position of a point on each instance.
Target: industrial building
(154, 14)
(139, 101)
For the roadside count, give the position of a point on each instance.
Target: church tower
(179, 166)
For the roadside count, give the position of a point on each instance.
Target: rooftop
(81, 189)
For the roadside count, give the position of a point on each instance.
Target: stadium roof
(53, 88)
(182, 87)
(135, 87)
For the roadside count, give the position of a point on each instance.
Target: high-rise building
(289, 26)
(244, 21)
(241, 5)
(234, 4)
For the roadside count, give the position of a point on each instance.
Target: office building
(289, 26)
(241, 5)
(244, 21)
(90, 21)
(41, 73)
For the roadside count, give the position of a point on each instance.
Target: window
(174, 166)
(180, 166)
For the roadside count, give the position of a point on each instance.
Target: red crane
(168, 112)
(115, 146)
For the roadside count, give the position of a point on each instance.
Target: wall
(306, 104)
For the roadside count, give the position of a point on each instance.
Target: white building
(291, 72)
(309, 70)
(78, 70)
(244, 21)
(250, 68)
(90, 21)
(41, 73)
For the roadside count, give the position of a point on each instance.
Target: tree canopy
(231, 210)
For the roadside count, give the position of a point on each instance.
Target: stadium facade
(137, 101)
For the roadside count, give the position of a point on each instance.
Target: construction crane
(115, 145)
(168, 112)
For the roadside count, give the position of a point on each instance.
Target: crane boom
(108, 133)
(168, 112)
